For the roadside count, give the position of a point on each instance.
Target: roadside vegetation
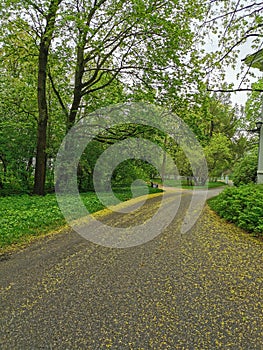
(188, 186)
(241, 205)
(245, 170)
(23, 217)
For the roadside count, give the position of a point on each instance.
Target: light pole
(259, 131)
(256, 61)
(259, 125)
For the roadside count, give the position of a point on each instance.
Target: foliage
(253, 108)
(241, 205)
(104, 42)
(99, 55)
(218, 155)
(216, 124)
(17, 110)
(245, 170)
(131, 170)
(236, 26)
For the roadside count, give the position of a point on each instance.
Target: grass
(183, 184)
(23, 217)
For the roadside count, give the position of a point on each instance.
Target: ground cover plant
(183, 184)
(24, 216)
(241, 205)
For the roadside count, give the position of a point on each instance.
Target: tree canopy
(236, 29)
(63, 59)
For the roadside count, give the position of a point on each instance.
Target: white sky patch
(234, 74)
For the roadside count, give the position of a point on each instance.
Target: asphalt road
(199, 290)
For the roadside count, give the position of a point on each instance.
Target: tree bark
(41, 156)
(41, 159)
(79, 72)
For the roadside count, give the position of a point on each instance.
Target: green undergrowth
(25, 216)
(183, 184)
(241, 205)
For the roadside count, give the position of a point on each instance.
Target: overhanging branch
(233, 90)
(233, 12)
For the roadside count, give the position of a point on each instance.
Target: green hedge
(241, 205)
(245, 170)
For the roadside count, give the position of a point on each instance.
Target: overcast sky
(231, 74)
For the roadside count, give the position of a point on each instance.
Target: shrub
(245, 171)
(241, 205)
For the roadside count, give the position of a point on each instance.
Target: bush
(245, 171)
(241, 205)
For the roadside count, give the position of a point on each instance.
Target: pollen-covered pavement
(198, 290)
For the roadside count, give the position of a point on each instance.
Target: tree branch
(88, 90)
(231, 19)
(233, 12)
(233, 46)
(65, 111)
(233, 90)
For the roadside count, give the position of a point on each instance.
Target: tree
(253, 108)
(125, 40)
(216, 124)
(235, 25)
(218, 155)
(105, 41)
(44, 47)
(245, 171)
(18, 109)
(38, 20)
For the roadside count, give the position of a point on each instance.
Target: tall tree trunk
(41, 157)
(62, 181)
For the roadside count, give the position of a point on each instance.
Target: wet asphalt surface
(199, 290)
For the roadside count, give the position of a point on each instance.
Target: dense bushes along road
(241, 205)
